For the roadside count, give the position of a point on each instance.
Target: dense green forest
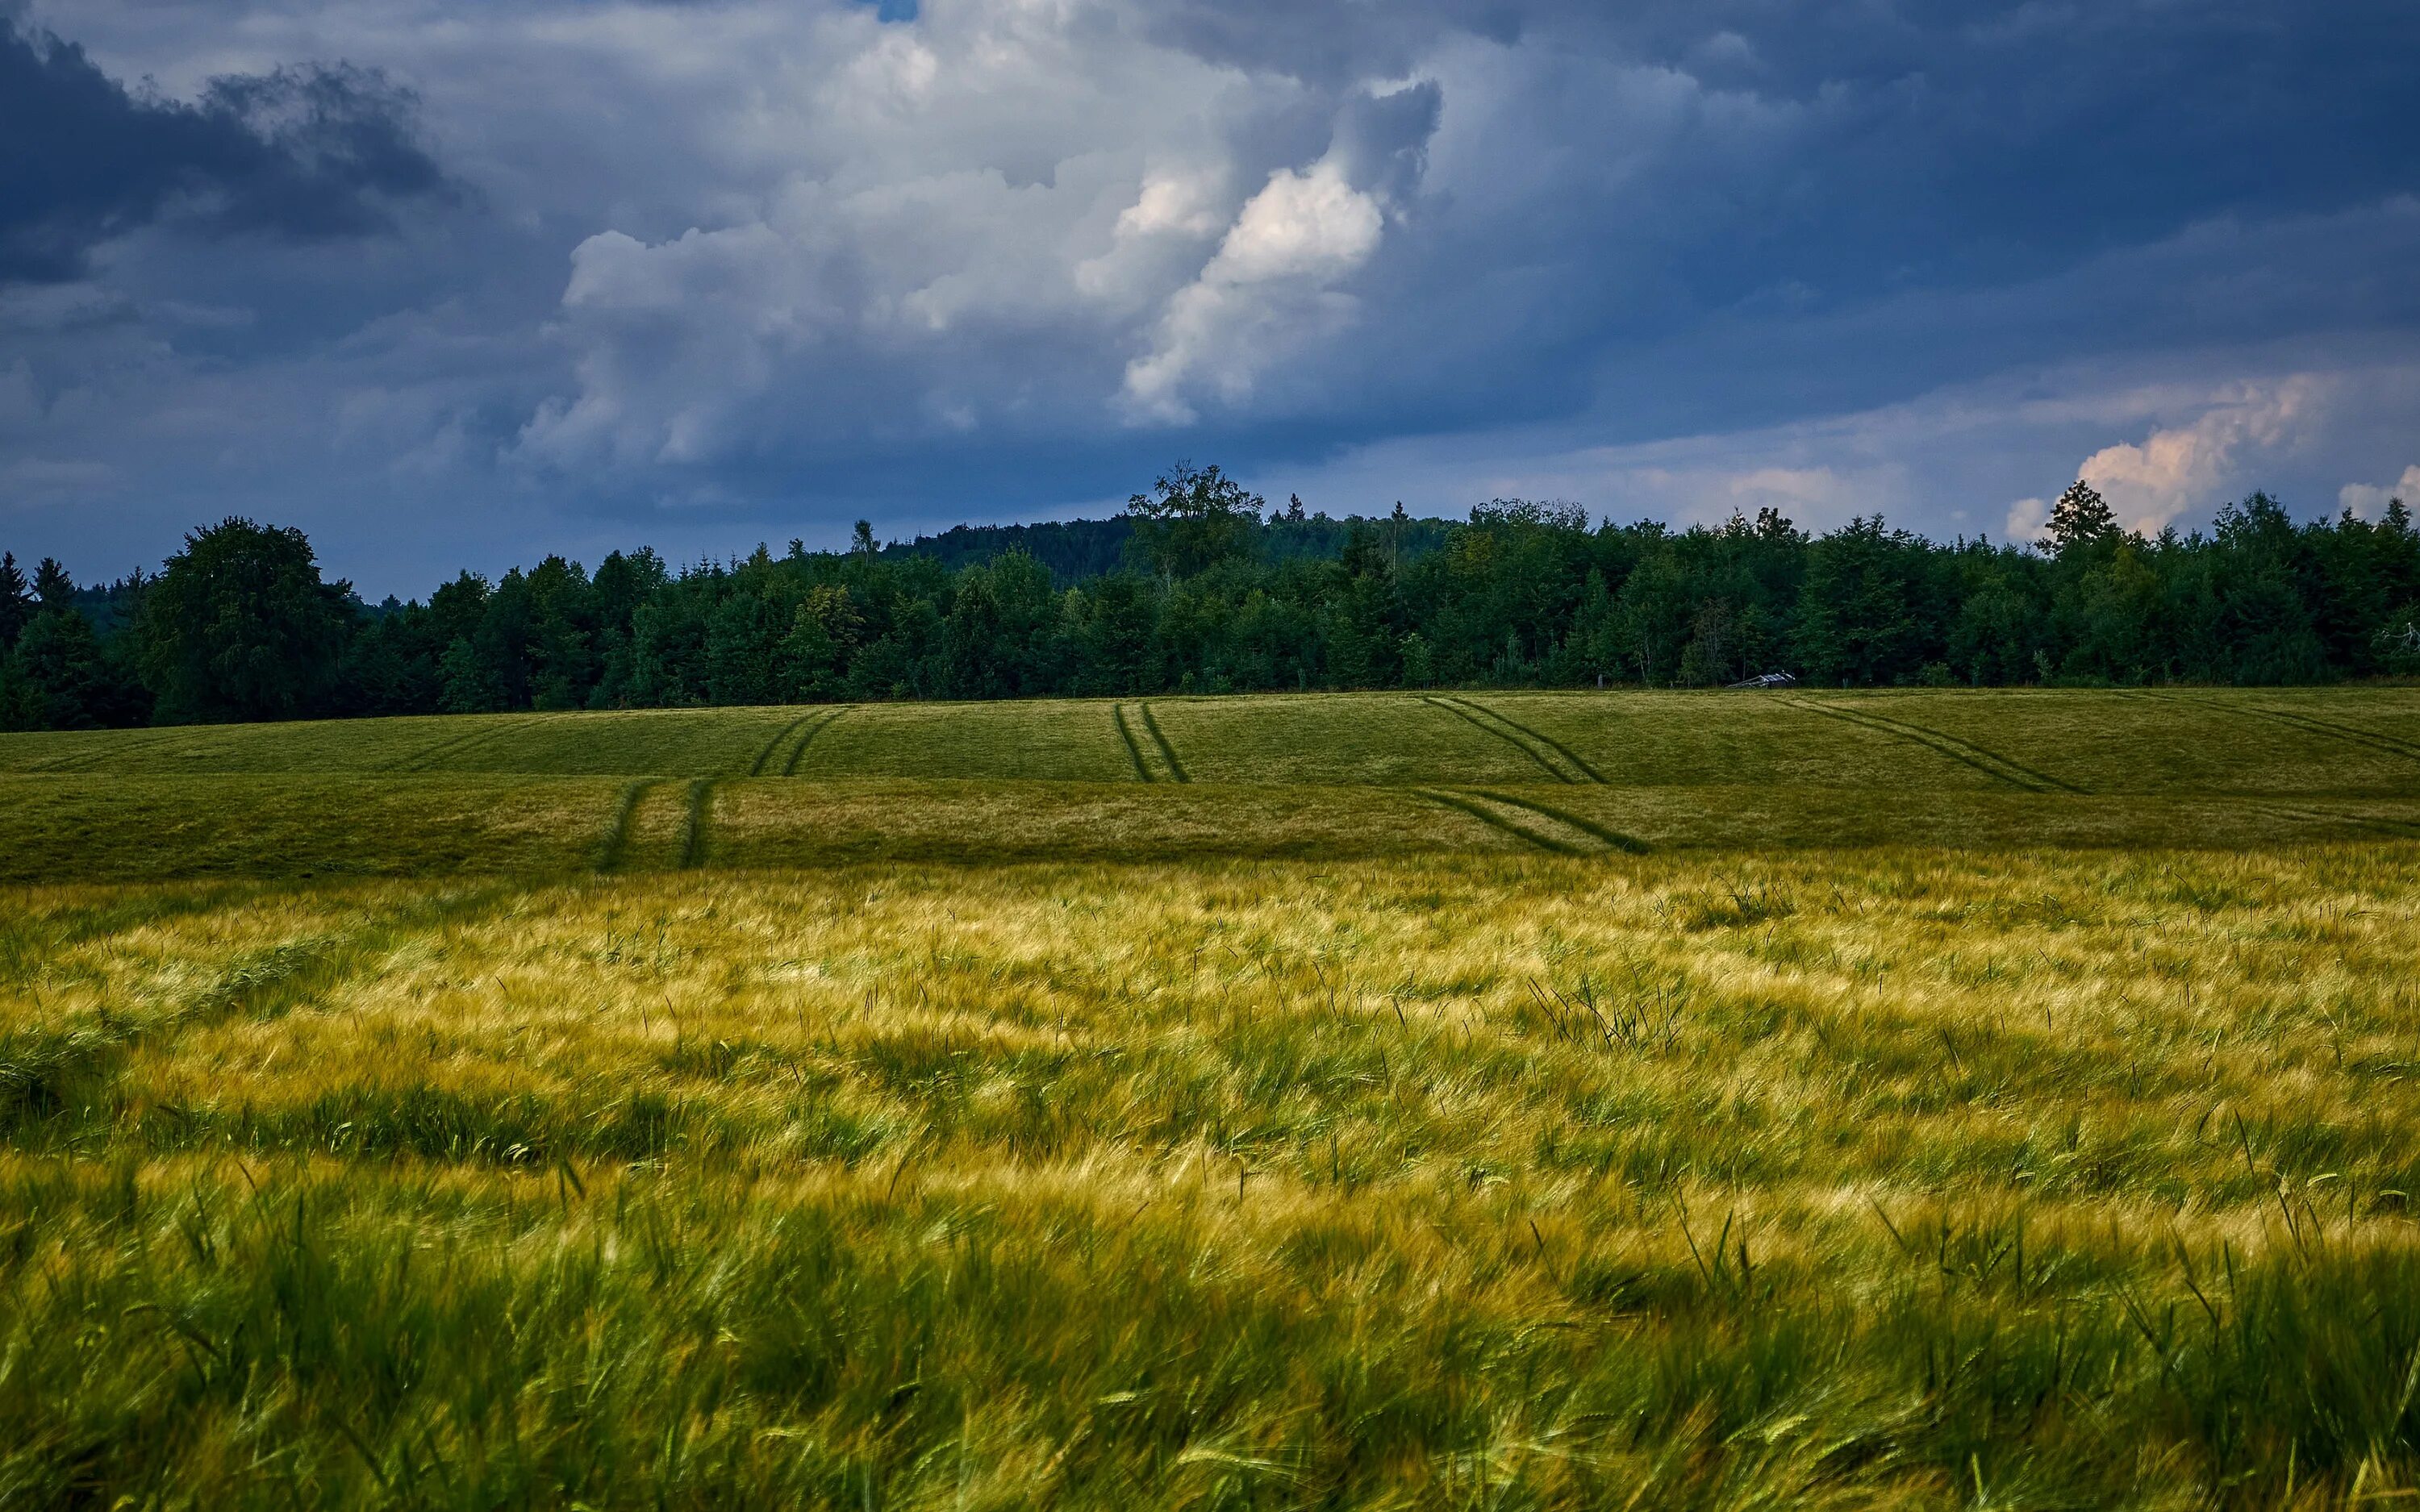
(1199, 587)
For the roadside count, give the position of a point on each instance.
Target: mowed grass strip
(1904, 1178)
(636, 743)
(133, 828)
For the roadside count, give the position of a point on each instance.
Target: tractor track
(1989, 762)
(1548, 741)
(420, 761)
(1166, 751)
(1613, 839)
(617, 829)
(790, 766)
(757, 767)
(1134, 753)
(1505, 731)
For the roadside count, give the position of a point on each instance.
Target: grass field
(1321, 776)
(1492, 1101)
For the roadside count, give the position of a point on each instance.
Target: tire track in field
(694, 831)
(1134, 752)
(2393, 828)
(1989, 762)
(790, 767)
(1560, 750)
(1166, 751)
(1521, 818)
(2308, 724)
(617, 829)
(421, 761)
(1496, 725)
(756, 768)
(1494, 820)
(1613, 839)
(84, 761)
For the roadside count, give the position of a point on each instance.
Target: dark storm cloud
(1938, 141)
(777, 263)
(304, 152)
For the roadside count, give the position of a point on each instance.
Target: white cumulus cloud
(2368, 502)
(2173, 469)
(1269, 288)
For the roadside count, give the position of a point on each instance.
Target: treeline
(1206, 594)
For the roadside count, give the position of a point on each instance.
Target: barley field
(1486, 1101)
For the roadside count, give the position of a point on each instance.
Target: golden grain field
(1898, 1177)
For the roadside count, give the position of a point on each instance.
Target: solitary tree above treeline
(2080, 519)
(1194, 589)
(1194, 518)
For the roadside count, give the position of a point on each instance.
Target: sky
(457, 285)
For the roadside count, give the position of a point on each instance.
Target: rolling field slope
(1479, 1101)
(2344, 742)
(1356, 775)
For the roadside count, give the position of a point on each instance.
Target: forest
(1199, 587)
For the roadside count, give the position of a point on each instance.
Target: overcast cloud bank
(449, 284)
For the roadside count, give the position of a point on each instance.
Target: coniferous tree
(2080, 517)
(53, 587)
(16, 602)
(57, 677)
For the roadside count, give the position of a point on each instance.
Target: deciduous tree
(239, 625)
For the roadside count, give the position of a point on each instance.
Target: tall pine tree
(53, 587)
(16, 603)
(2080, 517)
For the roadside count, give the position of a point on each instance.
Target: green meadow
(1487, 1099)
(1312, 776)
